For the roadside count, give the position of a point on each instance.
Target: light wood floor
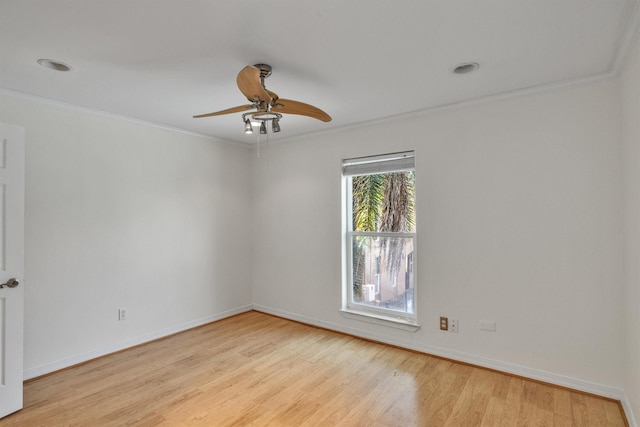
(259, 370)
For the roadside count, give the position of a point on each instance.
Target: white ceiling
(163, 61)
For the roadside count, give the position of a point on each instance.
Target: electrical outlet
(444, 324)
(453, 326)
(122, 314)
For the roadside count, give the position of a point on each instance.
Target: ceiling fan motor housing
(265, 70)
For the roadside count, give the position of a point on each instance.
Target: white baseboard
(84, 357)
(628, 412)
(523, 371)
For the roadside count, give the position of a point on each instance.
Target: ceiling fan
(268, 105)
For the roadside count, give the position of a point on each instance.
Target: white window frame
(387, 163)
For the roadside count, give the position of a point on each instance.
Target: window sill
(380, 320)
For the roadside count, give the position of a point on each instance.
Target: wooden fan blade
(227, 111)
(250, 85)
(289, 106)
(274, 96)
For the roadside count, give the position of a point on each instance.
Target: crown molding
(114, 116)
(629, 39)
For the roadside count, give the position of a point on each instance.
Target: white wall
(119, 214)
(630, 95)
(519, 213)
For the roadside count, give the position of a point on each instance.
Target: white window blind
(385, 163)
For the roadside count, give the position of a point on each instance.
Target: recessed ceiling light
(467, 67)
(54, 65)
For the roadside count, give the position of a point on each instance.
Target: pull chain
(258, 151)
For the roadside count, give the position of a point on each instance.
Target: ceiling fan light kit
(261, 118)
(248, 129)
(268, 105)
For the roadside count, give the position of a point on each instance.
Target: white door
(12, 172)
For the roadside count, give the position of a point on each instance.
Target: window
(380, 236)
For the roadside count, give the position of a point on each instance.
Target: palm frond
(368, 194)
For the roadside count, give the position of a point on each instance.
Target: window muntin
(380, 236)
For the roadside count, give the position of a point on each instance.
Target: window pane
(383, 202)
(383, 272)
